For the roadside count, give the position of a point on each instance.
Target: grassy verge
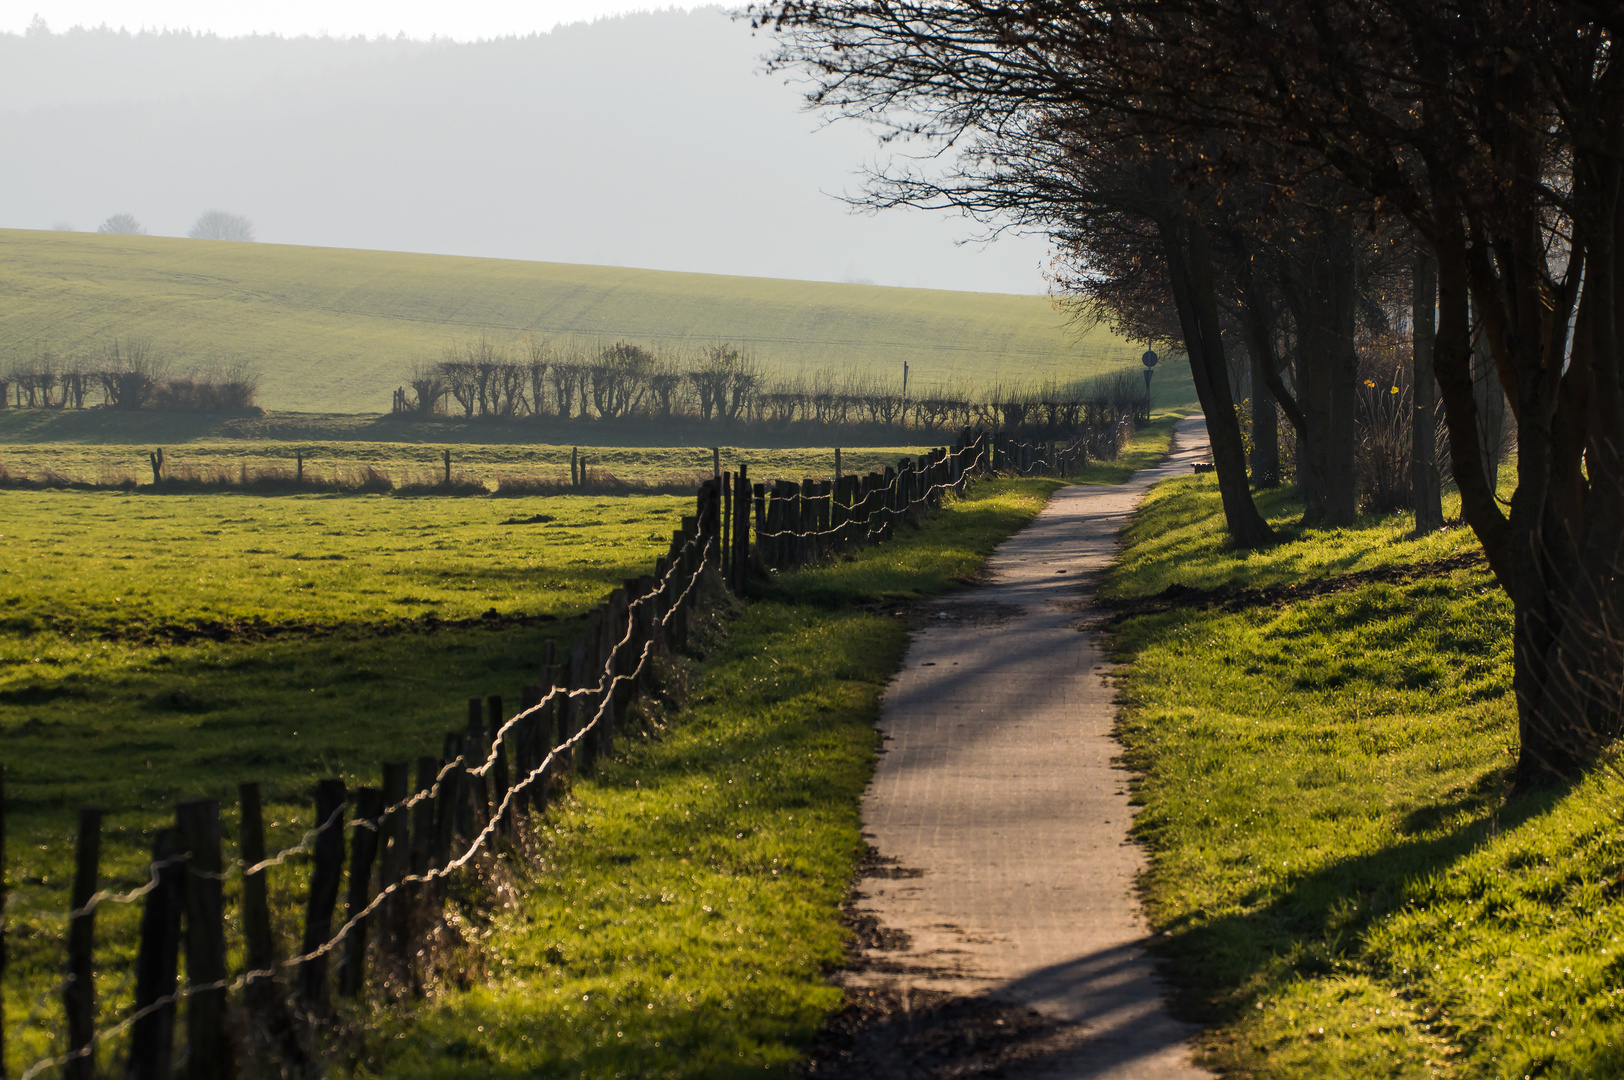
(1337, 878)
(685, 910)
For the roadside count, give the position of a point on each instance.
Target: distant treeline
(127, 375)
(726, 387)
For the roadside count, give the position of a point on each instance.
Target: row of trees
(722, 384)
(210, 225)
(128, 375)
(1243, 176)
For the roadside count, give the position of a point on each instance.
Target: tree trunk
(1426, 489)
(1189, 269)
(1324, 299)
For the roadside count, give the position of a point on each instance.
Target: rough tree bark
(1188, 256)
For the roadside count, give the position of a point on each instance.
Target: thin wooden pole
(79, 994)
(152, 1039)
(256, 908)
(325, 875)
(494, 715)
(363, 850)
(208, 1051)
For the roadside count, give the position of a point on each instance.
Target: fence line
(414, 832)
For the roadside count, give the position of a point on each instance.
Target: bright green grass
(134, 727)
(1336, 877)
(685, 910)
(87, 563)
(334, 330)
(784, 710)
(93, 708)
(1167, 543)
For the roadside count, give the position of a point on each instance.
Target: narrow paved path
(997, 811)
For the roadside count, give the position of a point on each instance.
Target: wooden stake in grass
(363, 850)
(326, 871)
(499, 772)
(208, 1050)
(394, 846)
(259, 994)
(79, 993)
(156, 459)
(428, 767)
(152, 1039)
(447, 455)
(447, 802)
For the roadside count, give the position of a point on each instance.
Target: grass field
(334, 330)
(111, 463)
(1337, 877)
(95, 706)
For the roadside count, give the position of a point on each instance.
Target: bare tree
(122, 225)
(129, 373)
(538, 356)
(219, 225)
(429, 384)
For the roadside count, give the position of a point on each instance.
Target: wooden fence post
(363, 850)
(260, 995)
(530, 745)
(570, 709)
(448, 802)
(759, 493)
(475, 808)
(428, 767)
(394, 856)
(644, 635)
(152, 1038)
(208, 1051)
(79, 993)
(446, 454)
(494, 715)
(805, 522)
(726, 519)
(586, 706)
(740, 539)
(326, 870)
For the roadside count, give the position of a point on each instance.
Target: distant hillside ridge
(336, 330)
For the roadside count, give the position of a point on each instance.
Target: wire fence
(479, 796)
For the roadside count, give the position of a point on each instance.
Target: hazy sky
(645, 139)
(466, 20)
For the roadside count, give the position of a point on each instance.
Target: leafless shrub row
(722, 384)
(127, 375)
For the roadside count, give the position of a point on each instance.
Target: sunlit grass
(1336, 875)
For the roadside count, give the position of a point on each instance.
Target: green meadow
(156, 648)
(1337, 878)
(335, 330)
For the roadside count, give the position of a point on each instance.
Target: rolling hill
(334, 330)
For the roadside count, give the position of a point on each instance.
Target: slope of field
(335, 330)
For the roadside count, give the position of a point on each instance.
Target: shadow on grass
(1317, 924)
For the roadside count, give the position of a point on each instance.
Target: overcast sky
(467, 20)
